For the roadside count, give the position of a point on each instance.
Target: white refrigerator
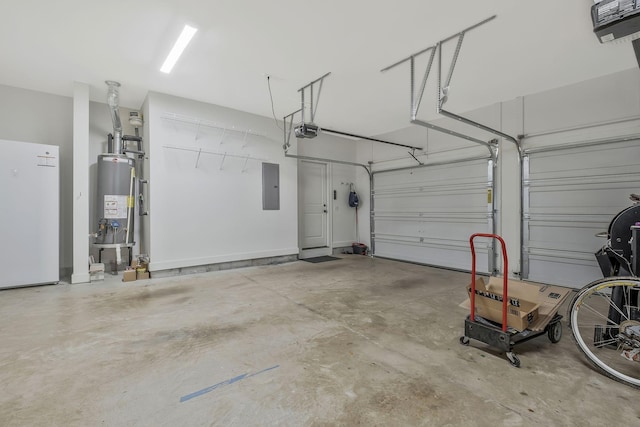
(29, 214)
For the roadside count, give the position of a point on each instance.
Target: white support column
(509, 191)
(80, 183)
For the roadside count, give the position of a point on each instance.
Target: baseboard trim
(171, 272)
(342, 249)
(80, 278)
(217, 259)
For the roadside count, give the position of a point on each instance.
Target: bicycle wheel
(604, 318)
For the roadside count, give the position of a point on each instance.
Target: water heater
(116, 181)
(117, 185)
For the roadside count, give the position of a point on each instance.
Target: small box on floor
(96, 271)
(139, 269)
(129, 275)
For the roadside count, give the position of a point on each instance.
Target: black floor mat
(320, 259)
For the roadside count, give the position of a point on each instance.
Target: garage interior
(277, 230)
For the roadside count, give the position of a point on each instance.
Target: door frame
(325, 250)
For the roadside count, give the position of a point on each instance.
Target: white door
(426, 214)
(313, 204)
(570, 196)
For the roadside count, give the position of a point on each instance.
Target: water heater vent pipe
(113, 100)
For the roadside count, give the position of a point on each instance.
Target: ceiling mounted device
(616, 20)
(308, 130)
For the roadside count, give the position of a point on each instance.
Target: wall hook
(197, 130)
(244, 168)
(224, 131)
(244, 139)
(198, 158)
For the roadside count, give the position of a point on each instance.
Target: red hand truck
(494, 334)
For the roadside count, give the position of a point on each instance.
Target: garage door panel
(597, 174)
(427, 214)
(572, 195)
(593, 196)
(431, 204)
(586, 155)
(438, 176)
(446, 230)
(547, 272)
(424, 197)
(458, 257)
(595, 214)
(431, 216)
(566, 236)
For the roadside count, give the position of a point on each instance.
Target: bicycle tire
(586, 313)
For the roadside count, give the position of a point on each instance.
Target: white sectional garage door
(570, 196)
(426, 214)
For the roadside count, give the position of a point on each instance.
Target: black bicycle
(604, 316)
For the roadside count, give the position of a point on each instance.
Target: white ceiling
(531, 46)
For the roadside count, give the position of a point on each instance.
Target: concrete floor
(357, 341)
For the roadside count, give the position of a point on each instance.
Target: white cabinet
(29, 214)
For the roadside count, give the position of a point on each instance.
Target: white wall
(42, 118)
(344, 216)
(610, 98)
(213, 213)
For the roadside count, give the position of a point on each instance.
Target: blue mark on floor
(224, 383)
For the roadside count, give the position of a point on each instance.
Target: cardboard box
(137, 265)
(142, 275)
(550, 299)
(129, 276)
(522, 309)
(546, 298)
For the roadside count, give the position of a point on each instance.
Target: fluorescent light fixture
(178, 48)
